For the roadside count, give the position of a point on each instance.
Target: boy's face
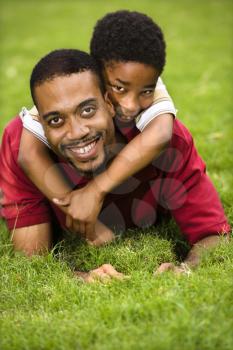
(76, 119)
(130, 86)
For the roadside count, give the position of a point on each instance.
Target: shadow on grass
(138, 249)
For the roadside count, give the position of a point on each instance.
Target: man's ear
(109, 104)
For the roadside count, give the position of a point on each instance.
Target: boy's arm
(85, 204)
(36, 162)
(45, 174)
(137, 154)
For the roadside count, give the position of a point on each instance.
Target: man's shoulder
(11, 138)
(14, 127)
(181, 135)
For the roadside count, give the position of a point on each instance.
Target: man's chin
(90, 168)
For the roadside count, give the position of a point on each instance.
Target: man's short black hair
(128, 36)
(62, 62)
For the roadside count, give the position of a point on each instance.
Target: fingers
(64, 202)
(177, 270)
(85, 276)
(100, 275)
(68, 222)
(110, 271)
(86, 230)
(90, 232)
(164, 267)
(103, 273)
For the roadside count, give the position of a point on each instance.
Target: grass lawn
(42, 306)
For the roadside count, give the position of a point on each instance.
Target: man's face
(76, 119)
(130, 86)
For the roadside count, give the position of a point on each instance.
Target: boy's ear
(109, 104)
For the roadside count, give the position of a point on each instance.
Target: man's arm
(37, 239)
(194, 256)
(193, 201)
(31, 240)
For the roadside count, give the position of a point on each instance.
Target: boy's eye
(55, 121)
(148, 92)
(118, 88)
(88, 111)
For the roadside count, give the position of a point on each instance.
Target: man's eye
(117, 88)
(88, 111)
(56, 121)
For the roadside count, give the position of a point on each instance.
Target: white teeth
(85, 149)
(126, 118)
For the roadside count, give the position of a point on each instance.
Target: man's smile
(84, 150)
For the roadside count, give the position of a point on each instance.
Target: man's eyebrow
(49, 114)
(81, 105)
(86, 102)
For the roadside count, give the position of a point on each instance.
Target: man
(74, 88)
(78, 124)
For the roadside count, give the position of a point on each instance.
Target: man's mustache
(81, 142)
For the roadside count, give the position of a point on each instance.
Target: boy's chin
(122, 122)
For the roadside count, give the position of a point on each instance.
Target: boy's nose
(131, 107)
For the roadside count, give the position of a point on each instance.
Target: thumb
(64, 202)
(169, 266)
(90, 232)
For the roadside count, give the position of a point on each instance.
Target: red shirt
(176, 181)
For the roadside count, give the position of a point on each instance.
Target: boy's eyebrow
(122, 81)
(57, 113)
(151, 86)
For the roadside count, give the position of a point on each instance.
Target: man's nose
(77, 129)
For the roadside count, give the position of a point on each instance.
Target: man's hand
(183, 268)
(83, 209)
(194, 256)
(104, 273)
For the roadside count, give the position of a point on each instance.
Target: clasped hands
(82, 208)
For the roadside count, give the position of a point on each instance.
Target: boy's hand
(83, 209)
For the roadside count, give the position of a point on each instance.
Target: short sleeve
(31, 122)
(162, 104)
(22, 204)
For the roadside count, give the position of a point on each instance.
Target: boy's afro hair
(128, 36)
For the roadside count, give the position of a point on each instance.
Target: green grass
(42, 306)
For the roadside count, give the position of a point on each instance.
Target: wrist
(103, 184)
